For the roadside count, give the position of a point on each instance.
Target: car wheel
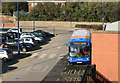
(4, 59)
(24, 49)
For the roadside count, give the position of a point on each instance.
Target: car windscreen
(9, 51)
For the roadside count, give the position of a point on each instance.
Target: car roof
(4, 49)
(28, 37)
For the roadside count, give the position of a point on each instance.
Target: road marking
(61, 73)
(37, 68)
(33, 55)
(65, 68)
(42, 56)
(79, 72)
(45, 68)
(58, 79)
(51, 56)
(59, 47)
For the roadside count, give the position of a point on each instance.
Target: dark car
(13, 45)
(2, 37)
(41, 32)
(10, 35)
(3, 30)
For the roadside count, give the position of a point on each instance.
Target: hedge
(95, 27)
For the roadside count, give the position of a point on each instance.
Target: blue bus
(79, 46)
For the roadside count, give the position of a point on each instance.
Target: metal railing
(92, 73)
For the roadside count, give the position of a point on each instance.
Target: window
(1, 52)
(27, 39)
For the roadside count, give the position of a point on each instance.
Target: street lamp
(103, 16)
(18, 25)
(34, 16)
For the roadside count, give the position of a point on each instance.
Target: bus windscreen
(79, 43)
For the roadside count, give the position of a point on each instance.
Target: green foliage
(10, 7)
(75, 11)
(96, 27)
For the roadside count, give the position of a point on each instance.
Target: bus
(80, 46)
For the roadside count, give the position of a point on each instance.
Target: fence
(92, 73)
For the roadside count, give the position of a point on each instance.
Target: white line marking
(59, 47)
(61, 56)
(33, 55)
(42, 56)
(51, 56)
(45, 68)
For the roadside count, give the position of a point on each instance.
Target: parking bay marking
(36, 69)
(35, 54)
(42, 56)
(51, 56)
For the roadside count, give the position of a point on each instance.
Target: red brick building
(105, 54)
(32, 3)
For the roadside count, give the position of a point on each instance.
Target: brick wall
(57, 23)
(105, 54)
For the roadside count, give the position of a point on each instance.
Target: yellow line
(75, 79)
(65, 68)
(6, 76)
(58, 79)
(61, 73)
(79, 72)
(67, 64)
(71, 71)
(75, 71)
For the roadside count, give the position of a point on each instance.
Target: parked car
(15, 29)
(13, 45)
(3, 31)
(41, 32)
(2, 37)
(37, 38)
(5, 54)
(13, 32)
(29, 40)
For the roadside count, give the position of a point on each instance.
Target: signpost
(53, 28)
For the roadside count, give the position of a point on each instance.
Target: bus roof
(82, 33)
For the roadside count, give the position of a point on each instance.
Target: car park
(29, 40)
(37, 38)
(6, 54)
(13, 45)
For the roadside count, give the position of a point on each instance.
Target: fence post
(94, 72)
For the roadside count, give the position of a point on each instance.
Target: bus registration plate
(79, 62)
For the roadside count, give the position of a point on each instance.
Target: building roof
(113, 26)
(47, 1)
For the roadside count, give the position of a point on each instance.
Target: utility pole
(34, 16)
(103, 16)
(18, 26)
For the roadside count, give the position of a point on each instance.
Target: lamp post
(34, 16)
(18, 25)
(103, 16)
